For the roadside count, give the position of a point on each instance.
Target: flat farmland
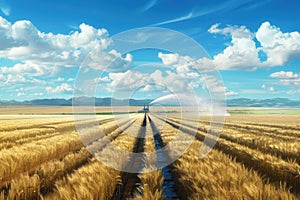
(59, 110)
(43, 157)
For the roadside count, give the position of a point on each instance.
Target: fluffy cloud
(173, 81)
(60, 79)
(111, 61)
(271, 89)
(16, 79)
(63, 88)
(148, 88)
(186, 65)
(187, 76)
(28, 68)
(132, 80)
(216, 86)
(265, 89)
(70, 80)
(286, 78)
(243, 53)
(169, 59)
(295, 82)
(101, 80)
(284, 75)
(127, 81)
(280, 47)
(43, 53)
(186, 68)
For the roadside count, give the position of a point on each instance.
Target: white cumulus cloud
(287, 78)
(284, 75)
(42, 53)
(243, 53)
(63, 88)
(16, 79)
(132, 80)
(186, 65)
(280, 47)
(265, 89)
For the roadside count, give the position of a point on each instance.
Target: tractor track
(169, 184)
(130, 181)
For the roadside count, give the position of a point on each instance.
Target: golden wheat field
(43, 157)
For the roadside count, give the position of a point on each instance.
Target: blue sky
(255, 45)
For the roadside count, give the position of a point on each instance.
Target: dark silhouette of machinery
(145, 109)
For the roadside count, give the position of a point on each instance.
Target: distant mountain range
(276, 102)
(79, 101)
(241, 102)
